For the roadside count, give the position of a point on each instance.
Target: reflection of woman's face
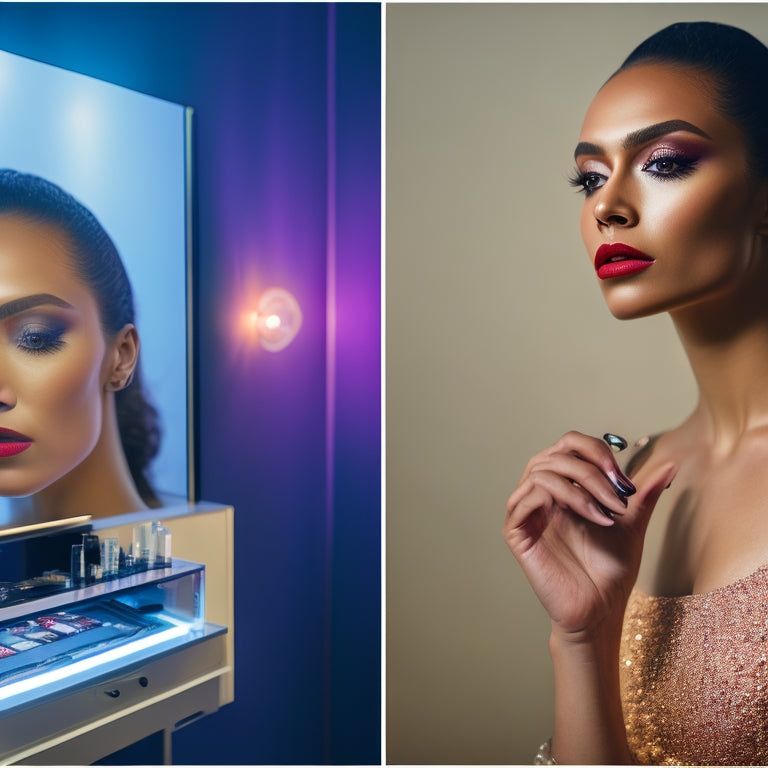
(664, 173)
(52, 359)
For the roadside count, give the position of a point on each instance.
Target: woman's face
(53, 360)
(670, 213)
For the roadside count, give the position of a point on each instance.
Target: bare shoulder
(711, 528)
(677, 445)
(640, 452)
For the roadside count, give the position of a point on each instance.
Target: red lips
(619, 260)
(12, 443)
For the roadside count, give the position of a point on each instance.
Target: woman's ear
(123, 358)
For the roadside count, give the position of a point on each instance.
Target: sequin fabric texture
(694, 676)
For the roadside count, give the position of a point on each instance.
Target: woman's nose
(614, 206)
(7, 396)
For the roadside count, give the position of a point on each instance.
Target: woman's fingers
(544, 491)
(589, 449)
(589, 462)
(590, 477)
(600, 454)
(645, 502)
(578, 499)
(580, 474)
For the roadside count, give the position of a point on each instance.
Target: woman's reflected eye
(39, 339)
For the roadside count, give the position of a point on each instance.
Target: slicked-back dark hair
(737, 64)
(97, 264)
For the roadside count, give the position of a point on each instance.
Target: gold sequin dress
(694, 676)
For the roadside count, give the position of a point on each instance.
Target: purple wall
(287, 110)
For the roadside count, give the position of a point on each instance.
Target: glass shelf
(75, 638)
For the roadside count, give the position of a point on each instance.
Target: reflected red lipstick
(619, 260)
(12, 443)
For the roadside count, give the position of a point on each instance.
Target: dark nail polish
(623, 486)
(615, 441)
(607, 512)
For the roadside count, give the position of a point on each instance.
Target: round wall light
(277, 319)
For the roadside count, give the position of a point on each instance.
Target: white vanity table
(135, 680)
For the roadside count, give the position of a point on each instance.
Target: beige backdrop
(497, 341)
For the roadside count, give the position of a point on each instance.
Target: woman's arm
(589, 723)
(582, 563)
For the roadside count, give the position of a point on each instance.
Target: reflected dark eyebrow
(15, 306)
(642, 135)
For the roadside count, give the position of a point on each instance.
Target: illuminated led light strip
(99, 659)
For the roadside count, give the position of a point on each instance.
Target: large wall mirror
(125, 156)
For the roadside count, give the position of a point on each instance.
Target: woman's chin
(22, 488)
(17, 492)
(626, 304)
(631, 311)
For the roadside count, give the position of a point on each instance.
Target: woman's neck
(100, 486)
(726, 341)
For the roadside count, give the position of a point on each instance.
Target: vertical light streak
(330, 365)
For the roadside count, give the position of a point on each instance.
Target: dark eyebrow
(15, 306)
(642, 135)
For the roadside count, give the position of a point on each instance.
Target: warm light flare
(276, 321)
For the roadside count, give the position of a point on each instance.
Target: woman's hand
(581, 561)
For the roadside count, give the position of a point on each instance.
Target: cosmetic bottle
(91, 558)
(77, 567)
(161, 546)
(141, 548)
(109, 558)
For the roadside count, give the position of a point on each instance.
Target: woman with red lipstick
(660, 656)
(76, 433)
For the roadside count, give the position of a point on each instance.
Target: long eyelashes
(40, 340)
(585, 181)
(668, 166)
